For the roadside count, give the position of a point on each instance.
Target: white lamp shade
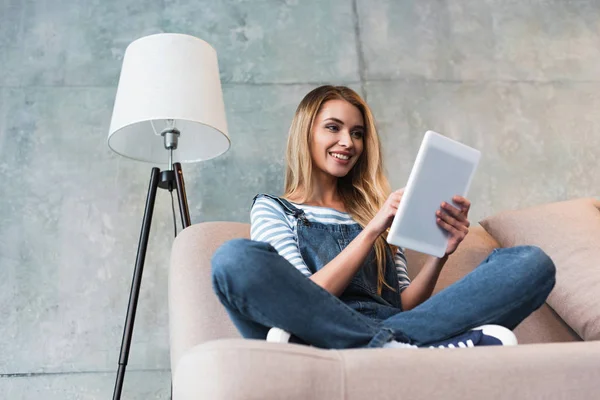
(169, 77)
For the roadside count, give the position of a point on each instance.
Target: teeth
(340, 156)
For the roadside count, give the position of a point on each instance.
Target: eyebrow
(339, 121)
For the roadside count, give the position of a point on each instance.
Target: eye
(332, 128)
(358, 134)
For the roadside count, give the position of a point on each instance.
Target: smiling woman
(319, 266)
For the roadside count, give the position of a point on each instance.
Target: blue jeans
(260, 289)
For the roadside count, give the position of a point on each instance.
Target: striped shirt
(270, 223)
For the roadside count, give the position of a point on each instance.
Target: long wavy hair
(364, 189)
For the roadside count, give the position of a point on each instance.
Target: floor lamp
(168, 106)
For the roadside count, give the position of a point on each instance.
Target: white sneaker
(277, 335)
(484, 335)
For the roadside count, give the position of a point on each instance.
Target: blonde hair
(364, 189)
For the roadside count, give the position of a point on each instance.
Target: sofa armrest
(251, 369)
(195, 313)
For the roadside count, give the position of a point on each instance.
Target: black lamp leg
(183, 204)
(136, 283)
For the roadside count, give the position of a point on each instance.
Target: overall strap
(288, 207)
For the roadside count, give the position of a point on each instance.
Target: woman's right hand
(384, 217)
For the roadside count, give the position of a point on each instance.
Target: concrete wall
(517, 79)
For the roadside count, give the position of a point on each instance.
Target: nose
(345, 139)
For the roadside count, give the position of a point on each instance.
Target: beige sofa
(209, 360)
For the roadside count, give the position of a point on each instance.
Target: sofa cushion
(235, 369)
(569, 232)
(544, 326)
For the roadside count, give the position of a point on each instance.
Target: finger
(447, 227)
(458, 234)
(446, 217)
(459, 225)
(464, 212)
(395, 202)
(455, 212)
(464, 202)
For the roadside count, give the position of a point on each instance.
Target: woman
(319, 265)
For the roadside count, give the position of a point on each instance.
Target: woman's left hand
(454, 221)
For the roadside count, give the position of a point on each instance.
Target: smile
(340, 156)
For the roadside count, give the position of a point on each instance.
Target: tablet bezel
(437, 242)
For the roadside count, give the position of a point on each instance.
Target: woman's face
(337, 139)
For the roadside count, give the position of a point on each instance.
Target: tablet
(443, 168)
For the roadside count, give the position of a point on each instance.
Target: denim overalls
(320, 243)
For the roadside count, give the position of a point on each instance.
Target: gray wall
(517, 79)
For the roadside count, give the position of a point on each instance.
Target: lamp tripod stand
(168, 179)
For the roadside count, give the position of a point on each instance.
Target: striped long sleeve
(270, 224)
